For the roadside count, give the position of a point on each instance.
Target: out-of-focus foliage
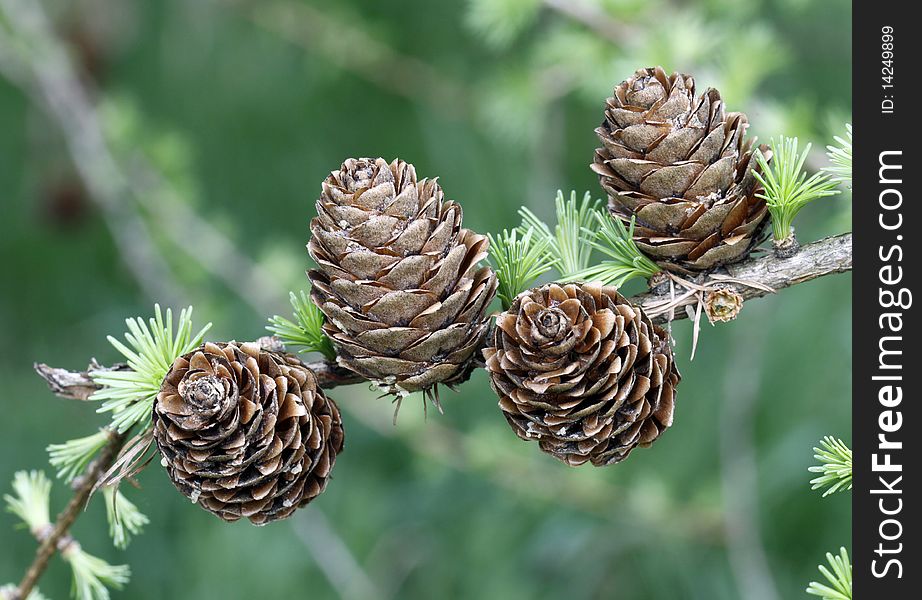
(840, 155)
(91, 576)
(227, 114)
(125, 520)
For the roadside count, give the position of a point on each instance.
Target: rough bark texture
(73, 385)
(824, 257)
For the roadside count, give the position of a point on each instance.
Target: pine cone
(244, 432)
(681, 166)
(397, 276)
(583, 372)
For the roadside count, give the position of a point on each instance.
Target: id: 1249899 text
(886, 70)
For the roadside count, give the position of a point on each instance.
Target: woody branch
(818, 259)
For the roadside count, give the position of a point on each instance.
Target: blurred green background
(221, 118)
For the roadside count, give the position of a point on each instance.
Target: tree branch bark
(824, 257)
(73, 385)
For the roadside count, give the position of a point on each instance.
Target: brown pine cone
(397, 277)
(681, 166)
(244, 432)
(582, 371)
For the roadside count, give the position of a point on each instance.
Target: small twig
(351, 48)
(201, 240)
(78, 385)
(329, 374)
(334, 558)
(593, 18)
(73, 385)
(57, 539)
